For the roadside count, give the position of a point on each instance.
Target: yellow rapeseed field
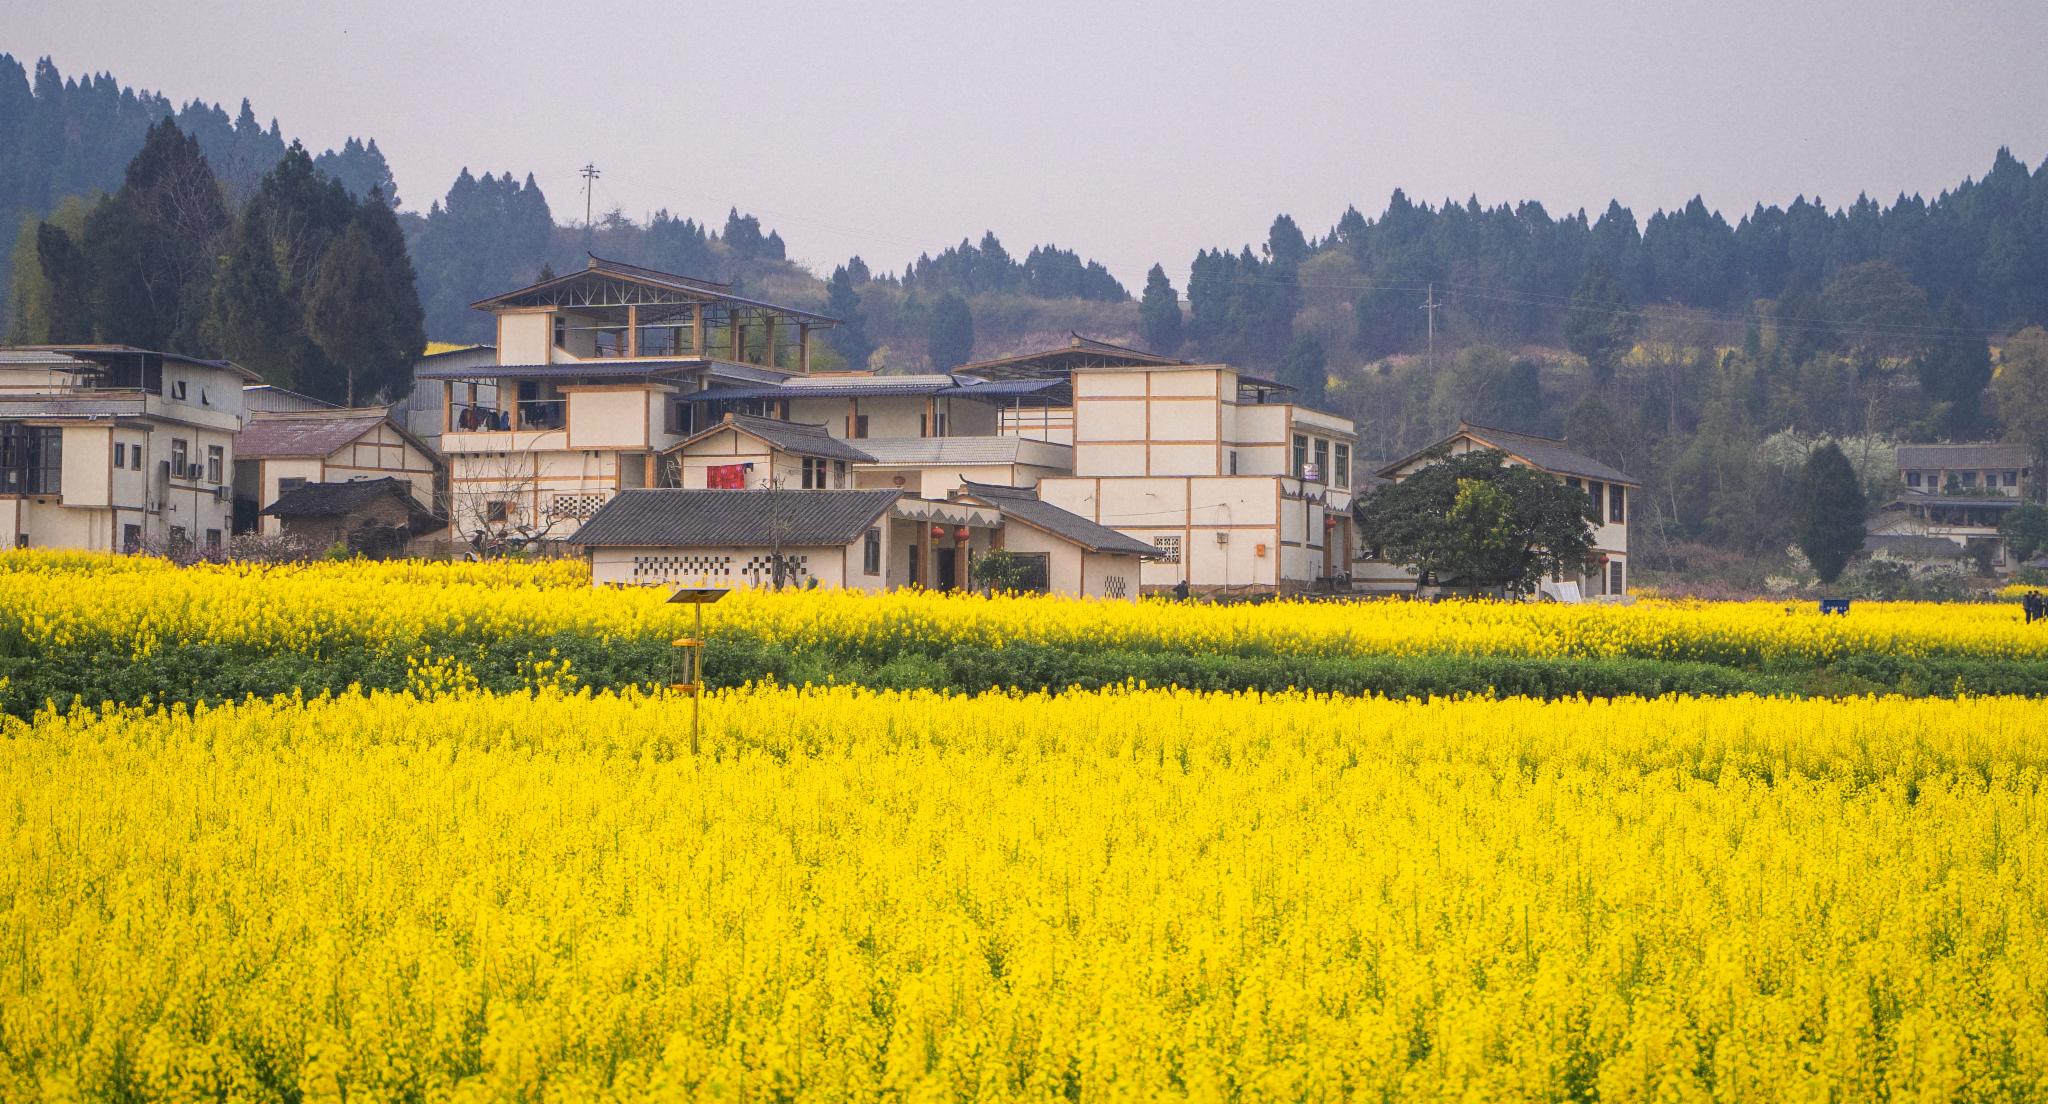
(1130, 895)
(57, 599)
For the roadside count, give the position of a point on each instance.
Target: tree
(2025, 531)
(1829, 512)
(2022, 389)
(951, 340)
(850, 337)
(1159, 313)
(1475, 519)
(251, 320)
(67, 282)
(1600, 326)
(1305, 368)
(362, 310)
(151, 246)
(1953, 372)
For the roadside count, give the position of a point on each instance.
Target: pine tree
(1159, 313)
(151, 246)
(849, 338)
(951, 340)
(251, 320)
(1600, 327)
(1830, 512)
(363, 311)
(1953, 372)
(1305, 368)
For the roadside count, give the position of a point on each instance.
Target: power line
(590, 173)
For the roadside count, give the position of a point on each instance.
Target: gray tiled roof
(1024, 506)
(1970, 455)
(800, 438)
(733, 519)
(943, 450)
(68, 406)
(1547, 453)
(1908, 546)
(335, 499)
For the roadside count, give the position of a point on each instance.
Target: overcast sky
(1132, 133)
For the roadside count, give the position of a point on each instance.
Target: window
(1912, 479)
(178, 390)
(289, 484)
(1323, 459)
(215, 457)
(838, 473)
(1169, 549)
(131, 538)
(1233, 461)
(135, 456)
(1340, 473)
(120, 455)
(857, 425)
(561, 332)
(178, 457)
(31, 459)
(1614, 511)
(1969, 479)
(213, 540)
(178, 538)
(495, 512)
(871, 553)
(1300, 455)
(1614, 578)
(679, 418)
(2012, 479)
(814, 474)
(1593, 488)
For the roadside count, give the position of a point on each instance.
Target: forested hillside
(1703, 355)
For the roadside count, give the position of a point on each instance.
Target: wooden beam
(697, 329)
(768, 344)
(633, 331)
(803, 347)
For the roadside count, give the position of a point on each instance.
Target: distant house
(1959, 493)
(1063, 552)
(733, 538)
(281, 450)
(372, 517)
(1608, 488)
(111, 448)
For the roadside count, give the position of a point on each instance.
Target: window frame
(1340, 467)
(1300, 454)
(180, 457)
(216, 463)
(871, 552)
(1617, 511)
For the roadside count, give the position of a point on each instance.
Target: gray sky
(1132, 133)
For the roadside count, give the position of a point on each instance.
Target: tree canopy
(1830, 511)
(1477, 521)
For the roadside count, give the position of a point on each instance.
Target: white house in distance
(280, 451)
(1959, 493)
(111, 448)
(1609, 489)
(1239, 488)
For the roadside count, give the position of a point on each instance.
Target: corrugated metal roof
(337, 499)
(302, 435)
(1974, 454)
(68, 406)
(1025, 506)
(733, 519)
(863, 387)
(266, 396)
(588, 369)
(942, 450)
(687, 285)
(800, 438)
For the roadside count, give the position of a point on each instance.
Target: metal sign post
(687, 675)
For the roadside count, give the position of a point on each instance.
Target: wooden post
(768, 344)
(852, 417)
(632, 331)
(931, 416)
(697, 329)
(803, 348)
(925, 556)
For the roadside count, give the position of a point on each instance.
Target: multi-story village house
(1609, 490)
(1959, 493)
(111, 448)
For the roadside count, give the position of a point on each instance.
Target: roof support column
(803, 348)
(633, 331)
(697, 329)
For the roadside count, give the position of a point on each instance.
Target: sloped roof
(269, 396)
(1972, 454)
(664, 518)
(302, 434)
(688, 286)
(799, 438)
(1908, 546)
(878, 386)
(68, 406)
(340, 499)
(943, 450)
(582, 369)
(1020, 504)
(1061, 359)
(1547, 453)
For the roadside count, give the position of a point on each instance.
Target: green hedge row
(195, 673)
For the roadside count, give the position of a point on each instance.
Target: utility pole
(590, 174)
(1431, 306)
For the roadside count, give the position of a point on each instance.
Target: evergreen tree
(1600, 327)
(1830, 511)
(67, 281)
(362, 310)
(150, 246)
(1954, 371)
(250, 319)
(1305, 369)
(1285, 246)
(849, 338)
(2022, 389)
(1159, 313)
(951, 339)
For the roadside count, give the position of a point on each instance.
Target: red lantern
(938, 532)
(1329, 521)
(960, 533)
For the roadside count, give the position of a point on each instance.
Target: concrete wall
(1228, 528)
(731, 567)
(524, 337)
(608, 418)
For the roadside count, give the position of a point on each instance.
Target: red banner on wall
(726, 477)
